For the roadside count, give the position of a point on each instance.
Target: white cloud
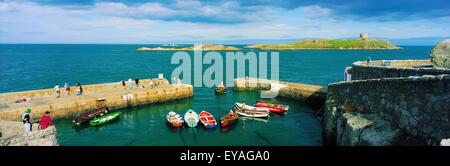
(315, 11)
(3, 6)
(188, 4)
(146, 10)
(187, 21)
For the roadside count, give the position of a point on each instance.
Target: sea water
(29, 67)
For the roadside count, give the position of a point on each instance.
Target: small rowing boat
(220, 90)
(100, 110)
(191, 118)
(274, 107)
(229, 119)
(104, 119)
(207, 120)
(174, 119)
(250, 111)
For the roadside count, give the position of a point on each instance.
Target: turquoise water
(27, 67)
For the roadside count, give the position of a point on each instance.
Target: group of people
(136, 81)
(46, 121)
(79, 89)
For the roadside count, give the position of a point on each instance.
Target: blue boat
(191, 118)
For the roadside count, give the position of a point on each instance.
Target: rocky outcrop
(356, 129)
(13, 135)
(440, 54)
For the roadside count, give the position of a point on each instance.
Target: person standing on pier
(79, 89)
(57, 90)
(137, 82)
(130, 83)
(27, 125)
(123, 84)
(46, 121)
(151, 84)
(67, 88)
(369, 60)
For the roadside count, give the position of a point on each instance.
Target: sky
(415, 22)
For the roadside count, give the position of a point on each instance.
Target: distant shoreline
(363, 42)
(209, 47)
(399, 48)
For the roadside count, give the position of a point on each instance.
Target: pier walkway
(311, 94)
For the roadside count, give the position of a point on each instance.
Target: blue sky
(412, 22)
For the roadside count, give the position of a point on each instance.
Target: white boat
(191, 118)
(251, 111)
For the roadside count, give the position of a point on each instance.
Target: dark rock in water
(440, 54)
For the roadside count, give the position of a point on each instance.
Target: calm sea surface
(28, 67)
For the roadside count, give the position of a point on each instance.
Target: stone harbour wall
(115, 95)
(311, 94)
(397, 68)
(13, 135)
(384, 111)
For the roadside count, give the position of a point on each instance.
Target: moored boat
(191, 118)
(220, 90)
(100, 110)
(250, 111)
(104, 119)
(274, 107)
(174, 119)
(229, 119)
(207, 120)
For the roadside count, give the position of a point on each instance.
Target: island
(207, 47)
(361, 43)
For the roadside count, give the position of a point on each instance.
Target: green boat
(104, 119)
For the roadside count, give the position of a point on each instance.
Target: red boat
(274, 107)
(207, 119)
(229, 119)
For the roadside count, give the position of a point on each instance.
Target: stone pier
(313, 95)
(115, 95)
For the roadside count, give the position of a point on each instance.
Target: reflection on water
(146, 125)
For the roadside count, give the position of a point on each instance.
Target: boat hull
(228, 120)
(174, 119)
(276, 108)
(219, 91)
(104, 119)
(250, 111)
(191, 118)
(207, 120)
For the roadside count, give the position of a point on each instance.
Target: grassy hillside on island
(208, 47)
(358, 43)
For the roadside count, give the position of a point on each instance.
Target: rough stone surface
(14, 135)
(381, 134)
(440, 54)
(329, 121)
(349, 129)
(407, 103)
(355, 129)
(397, 68)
